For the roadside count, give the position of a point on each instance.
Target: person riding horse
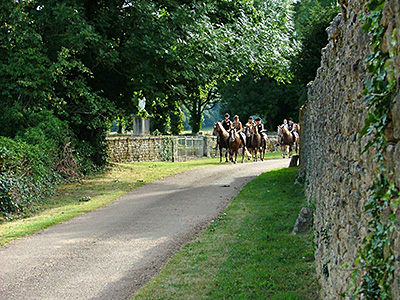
(285, 125)
(292, 127)
(227, 124)
(239, 130)
(249, 123)
(260, 129)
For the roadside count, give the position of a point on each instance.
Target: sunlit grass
(248, 252)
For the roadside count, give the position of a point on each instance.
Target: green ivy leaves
(376, 254)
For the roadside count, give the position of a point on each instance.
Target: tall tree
(275, 101)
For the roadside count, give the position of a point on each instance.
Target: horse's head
(248, 130)
(215, 129)
(232, 134)
(283, 130)
(254, 130)
(280, 130)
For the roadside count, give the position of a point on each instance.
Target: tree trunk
(195, 120)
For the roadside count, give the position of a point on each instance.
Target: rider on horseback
(239, 129)
(284, 125)
(260, 129)
(227, 124)
(250, 122)
(292, 127)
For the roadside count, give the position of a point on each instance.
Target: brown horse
(223, 139)
(264, 144)
(288, 140)
(235, 143)
(255, 142)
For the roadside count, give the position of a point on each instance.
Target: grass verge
(246, 253)
(72, 200)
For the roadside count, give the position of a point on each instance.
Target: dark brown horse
(264, 145)
(288, 141)
(254, 142)
(235, 143)
(223, 139)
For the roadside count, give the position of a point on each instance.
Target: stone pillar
(141, 126)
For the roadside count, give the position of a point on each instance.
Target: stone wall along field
(338, 176)
(166, 148)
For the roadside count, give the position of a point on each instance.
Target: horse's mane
(222, 128)
(285, 130)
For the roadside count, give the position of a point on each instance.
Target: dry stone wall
(337, 175)
(166, 148)
(128, 149)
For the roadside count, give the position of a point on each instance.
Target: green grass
(246, 253)
(72, 200)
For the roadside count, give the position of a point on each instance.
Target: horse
(288, 140)
(235, 143)
(254, 142)
(264, 143)
(223, 139)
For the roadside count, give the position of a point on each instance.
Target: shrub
(34, 162)
(26, 176)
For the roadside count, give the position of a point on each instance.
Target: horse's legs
(283, 150)
(262, 153)
(220, 154)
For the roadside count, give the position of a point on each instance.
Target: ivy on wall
(376, 258)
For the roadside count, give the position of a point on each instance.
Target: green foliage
(25, 176)
(267, 96)
(311, 20)
(376, 257)
(35, 161)
(166, 149)
(177, 120)
(263, 97)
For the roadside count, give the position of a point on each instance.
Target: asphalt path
(111, 252)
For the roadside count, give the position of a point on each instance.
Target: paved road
(109, 253)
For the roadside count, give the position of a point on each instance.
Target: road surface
(111, 252)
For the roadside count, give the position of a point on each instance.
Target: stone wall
(337, 175)
(166, 148)
(128, 148)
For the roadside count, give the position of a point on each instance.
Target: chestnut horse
(235, 143)
(223, 142)
(288, 140)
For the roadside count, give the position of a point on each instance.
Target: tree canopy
(267, 96)
(90, 61)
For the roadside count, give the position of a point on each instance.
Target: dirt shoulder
(111, 252)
